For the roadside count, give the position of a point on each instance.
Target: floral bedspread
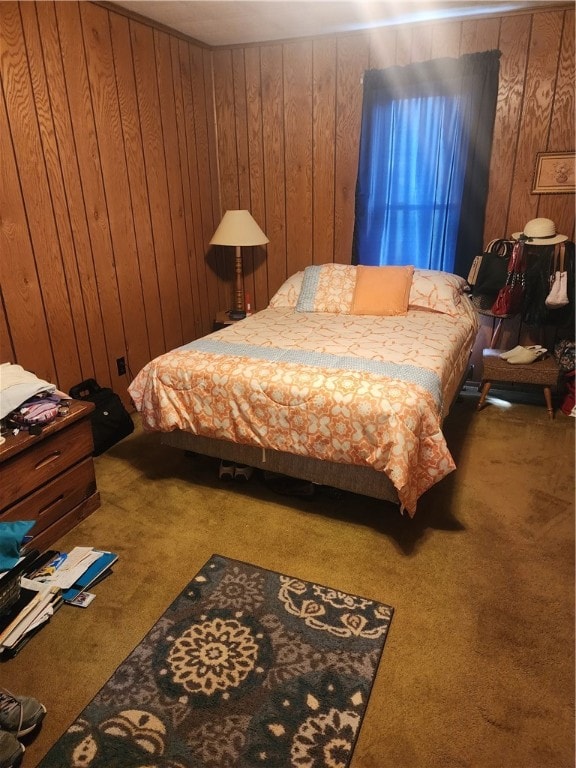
(350, 389)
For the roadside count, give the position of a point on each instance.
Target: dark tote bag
(110, 420)
(492, 272)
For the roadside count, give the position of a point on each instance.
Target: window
(424, 162)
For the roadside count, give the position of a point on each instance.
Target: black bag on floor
(110, 420)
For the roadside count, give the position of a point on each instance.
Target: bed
(344, 380)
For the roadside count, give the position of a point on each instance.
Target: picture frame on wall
(554, 173)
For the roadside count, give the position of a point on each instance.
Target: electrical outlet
(121, 365)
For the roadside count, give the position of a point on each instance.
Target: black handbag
(110, 420)
(492, 272)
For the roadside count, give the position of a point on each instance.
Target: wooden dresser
(50, 477)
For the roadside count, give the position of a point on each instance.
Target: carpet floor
(478, 668)
(246, 668)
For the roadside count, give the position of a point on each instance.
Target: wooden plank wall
(122, 143)
(288, 118)
(109, 194)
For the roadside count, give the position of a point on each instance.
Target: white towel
(18, 385)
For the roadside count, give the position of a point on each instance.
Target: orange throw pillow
(382, 290)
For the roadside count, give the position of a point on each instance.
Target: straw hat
(540, 232)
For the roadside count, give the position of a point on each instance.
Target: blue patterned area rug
(246, 668)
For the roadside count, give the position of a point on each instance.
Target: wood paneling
(274, 169)
(224, 99)
(137, 183)
(446, 39)
(115, 183)
(543, 53)
(324, 147)
(34, 181)
(561, 134)
(102, 254)
(258, 288)
(382, 48)
(25, 322)
(513, 43)
(56, 183)
(317, 108)
(201, 170)
(86, 152)
(122, 145)
(353, 57)
(243, 164)
(192, 315)
(76, 211)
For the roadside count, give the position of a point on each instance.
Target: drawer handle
(47, 459)
(45, 509)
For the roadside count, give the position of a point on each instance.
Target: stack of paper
(48, 581)
(96, 571)
(36, 606)
(74, 572)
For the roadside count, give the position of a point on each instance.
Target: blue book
(90, 575)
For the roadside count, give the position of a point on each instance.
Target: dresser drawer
(56, 498)
(46, 538)
(42, 462)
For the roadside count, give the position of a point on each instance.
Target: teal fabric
(309, 287)
(11, 538)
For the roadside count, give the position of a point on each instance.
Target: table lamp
(238, 228)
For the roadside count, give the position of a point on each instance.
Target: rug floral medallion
(246, 668)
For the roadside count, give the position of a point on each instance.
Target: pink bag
(37, 411)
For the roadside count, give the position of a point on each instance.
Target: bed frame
(346, 477)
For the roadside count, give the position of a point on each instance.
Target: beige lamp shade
(238, 228)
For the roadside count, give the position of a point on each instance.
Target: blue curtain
(424, 161)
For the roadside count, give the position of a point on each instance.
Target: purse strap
(518, 261)
(562, 256)
(499, 246)
(558, 259)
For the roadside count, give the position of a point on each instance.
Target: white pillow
(431, 289)
(436, 291)
(287, 294)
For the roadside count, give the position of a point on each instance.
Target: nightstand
(50, 477)
(223, 319)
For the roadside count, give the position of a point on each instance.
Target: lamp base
(236, 314)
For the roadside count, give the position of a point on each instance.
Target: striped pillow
(327, 288)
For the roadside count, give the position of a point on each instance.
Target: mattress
(354, 390)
